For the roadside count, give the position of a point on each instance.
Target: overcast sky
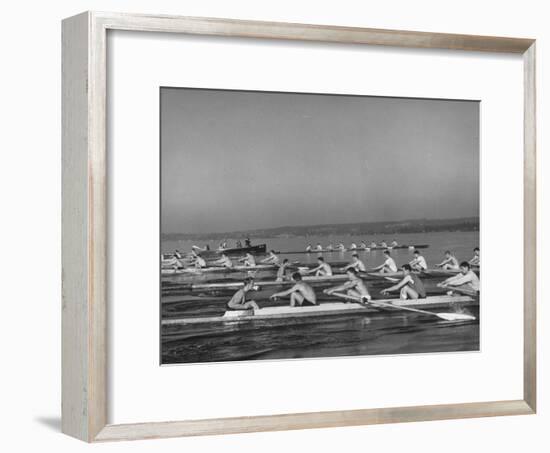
(237, 160)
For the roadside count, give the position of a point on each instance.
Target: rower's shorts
(307, 303)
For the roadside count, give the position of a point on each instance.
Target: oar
(445, 316)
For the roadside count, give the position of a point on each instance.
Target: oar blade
(456, 316)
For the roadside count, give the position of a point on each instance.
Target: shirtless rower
(248, 260)
(308, 248)
(281, 272)
(301, 294)
(341, 247)
(467, 280)
(272, 258)
(475, 260)
(322, 270)
(363, 245)
(173, 263)
(388, 266)
(383, 244)
(330, 247)
(224, 261)
(354, 287)
(353, 246)
(450, 263)
(356, 264)
(198, 260)
(318, 247)
(410, 287)
(239, 302)
(394, 243)
(373, 244)
(419, 262)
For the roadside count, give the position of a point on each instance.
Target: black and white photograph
(304, 225)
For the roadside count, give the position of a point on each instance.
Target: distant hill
(359, 229)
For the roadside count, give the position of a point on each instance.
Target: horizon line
(323, 225)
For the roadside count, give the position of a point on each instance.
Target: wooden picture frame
(84, 351)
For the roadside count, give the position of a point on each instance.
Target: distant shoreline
(354, 229)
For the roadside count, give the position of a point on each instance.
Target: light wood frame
(84, 305)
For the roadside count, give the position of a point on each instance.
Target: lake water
(334, 336)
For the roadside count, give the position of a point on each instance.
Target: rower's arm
(285, 293)
(342, 287)
(399, 285)
(451, 280)
(378, 267)
(461, 280)
(311, 271)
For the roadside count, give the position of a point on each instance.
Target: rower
(388, 266)
(173, 263)
(178, 255)
(394, 243)
(467, 280)
(247, 242)
(200, 262)
(330, 247)
(373, 244)
(383, 244)
(272, 258)
(319, 247)
(475, 260)
(248, 260)
(450, 263)
(322, 270)
(281, 272)
(363, 245)
(341, 247)
(354, 287)
(301, 294)
(419, 262)
(239, 302)
(308, 248)
(410, 287)
(239, 244)
(224, 261)
(356, 264)
(353, 246)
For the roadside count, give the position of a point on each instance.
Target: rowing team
(409, 287)
(417, 264)
(342, 248)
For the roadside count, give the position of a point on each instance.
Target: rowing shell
(241, 268)
(376, 276)
(324, 309)
(261, 284)
(193, 270)
(358, 249)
